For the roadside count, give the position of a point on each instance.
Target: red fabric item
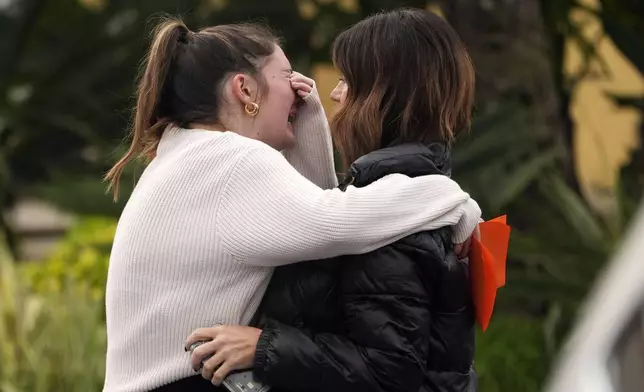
(488, 256)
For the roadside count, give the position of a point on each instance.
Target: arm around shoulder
(270, 215)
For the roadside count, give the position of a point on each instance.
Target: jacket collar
(412, 160)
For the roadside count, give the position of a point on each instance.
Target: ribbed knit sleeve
(270, 215)
(312, 154)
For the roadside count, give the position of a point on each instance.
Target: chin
(288, 143)
(283, 142)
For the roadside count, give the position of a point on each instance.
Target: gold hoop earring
(253, 110)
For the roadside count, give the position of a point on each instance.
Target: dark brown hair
(182, 78)
(409, 79)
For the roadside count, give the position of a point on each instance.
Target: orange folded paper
(488, 255)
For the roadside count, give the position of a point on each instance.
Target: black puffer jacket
(398, 319)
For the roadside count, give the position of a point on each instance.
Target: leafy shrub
(512, 355)
(81, 257)
(49, 343)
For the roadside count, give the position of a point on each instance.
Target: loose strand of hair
(144, 133)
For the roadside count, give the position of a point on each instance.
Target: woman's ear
(244, 88)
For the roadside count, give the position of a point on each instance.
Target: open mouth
(291, 115)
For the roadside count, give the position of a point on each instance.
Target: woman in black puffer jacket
(398, 319)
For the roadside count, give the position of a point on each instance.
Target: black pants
(190, 384)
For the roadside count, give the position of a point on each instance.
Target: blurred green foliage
(512, 355)
(49, 342)
(81, 258)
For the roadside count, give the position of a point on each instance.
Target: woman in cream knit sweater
(240, 180)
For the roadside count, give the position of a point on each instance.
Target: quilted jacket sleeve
(385, 318)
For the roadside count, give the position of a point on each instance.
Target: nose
(335, 95)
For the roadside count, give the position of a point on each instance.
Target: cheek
(283, 95)
(343, 95)
(289, 93)
(278, 103)
(279, 98)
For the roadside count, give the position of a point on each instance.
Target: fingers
(222, 372)
(298, 77)
(211, 366)
(201, 353)
(201, 335)
(226, 348)
(463, 250)
(300, 86)
(458, 248)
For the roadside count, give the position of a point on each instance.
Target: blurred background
(556, 144)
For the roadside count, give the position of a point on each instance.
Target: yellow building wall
(605, 134)
(326, 78)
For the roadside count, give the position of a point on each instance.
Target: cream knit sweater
(212, 215)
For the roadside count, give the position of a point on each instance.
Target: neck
(241, 124)
(231, 122)
(208, 127)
